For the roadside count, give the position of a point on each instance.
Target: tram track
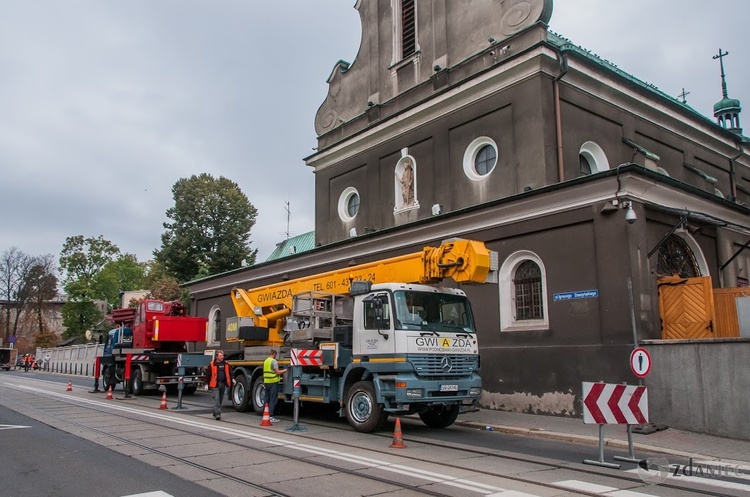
(546, 465)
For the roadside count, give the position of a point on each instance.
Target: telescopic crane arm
(465, 261)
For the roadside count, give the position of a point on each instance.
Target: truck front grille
(443, 365)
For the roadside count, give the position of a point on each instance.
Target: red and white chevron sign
(139, 358)
(611, 404)
(307, 357)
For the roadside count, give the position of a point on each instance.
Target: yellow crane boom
(465, 261)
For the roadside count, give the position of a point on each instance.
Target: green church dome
(727, 104)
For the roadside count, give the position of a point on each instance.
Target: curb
(583, 439)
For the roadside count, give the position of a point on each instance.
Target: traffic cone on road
(266, 421)
(163, 404)
(398, 440)
(70, 387)
(109, 394)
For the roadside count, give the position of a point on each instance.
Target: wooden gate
(686, 306)
(727, 322)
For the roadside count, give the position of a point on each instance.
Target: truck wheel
(137, 382)
(189, 389)
(108, 379)
(440, 417)
(259, 395)
(362, 409)
(240, 393)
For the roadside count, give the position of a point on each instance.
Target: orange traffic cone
(398, 441)
(70, 387)
(109, 394)
(163, 404)
(266, 421)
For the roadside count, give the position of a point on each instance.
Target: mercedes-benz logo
(446, 365)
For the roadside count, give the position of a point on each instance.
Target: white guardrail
(73, 359)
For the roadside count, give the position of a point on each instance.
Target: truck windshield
(433, 311)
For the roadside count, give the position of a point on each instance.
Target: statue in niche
(407, 184)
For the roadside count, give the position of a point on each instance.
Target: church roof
(293, 245)
(565, 44)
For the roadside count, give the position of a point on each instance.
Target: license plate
(449, 388)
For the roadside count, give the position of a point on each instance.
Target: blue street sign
(583, 294)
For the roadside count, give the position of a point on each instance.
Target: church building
(618, 212)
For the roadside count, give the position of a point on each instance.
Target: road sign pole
(600, 461)
(296, 392)
(631, 453)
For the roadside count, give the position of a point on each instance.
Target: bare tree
(39, 288)
(14, 268)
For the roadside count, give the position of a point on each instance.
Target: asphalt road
(521, 445)
(37, 460)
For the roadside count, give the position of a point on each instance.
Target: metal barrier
(73, 359)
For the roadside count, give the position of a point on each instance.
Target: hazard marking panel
(608, 404)
(139, 358)
(307, 357)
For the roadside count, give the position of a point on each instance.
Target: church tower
(727, 110)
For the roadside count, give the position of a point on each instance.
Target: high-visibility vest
(214, 380)
(269, 375)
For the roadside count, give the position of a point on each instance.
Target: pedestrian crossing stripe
(11, 427)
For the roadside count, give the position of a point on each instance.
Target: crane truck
(374, 339)
(154, 334)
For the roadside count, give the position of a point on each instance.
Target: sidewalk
(670, 441)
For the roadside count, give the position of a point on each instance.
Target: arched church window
(676, 257)
(214, 326)
(594, 158)
(528, 291)
(523, 293)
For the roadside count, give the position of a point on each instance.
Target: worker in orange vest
(26, 363)
(220, 378)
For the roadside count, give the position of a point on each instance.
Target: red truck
(154, 334)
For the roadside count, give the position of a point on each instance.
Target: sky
(105, 104)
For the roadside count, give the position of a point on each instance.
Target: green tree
(81, 261)
(162, 286)
(209, 232)
(79, 317)
(123, 273)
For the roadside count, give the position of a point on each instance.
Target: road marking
(585, 486)
(11, 427)
(383, 465)
(158, 493)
